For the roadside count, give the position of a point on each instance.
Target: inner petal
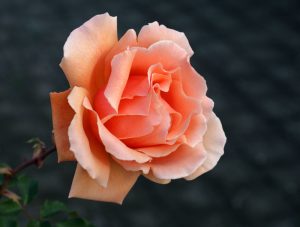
(136, 86)
(160, 132)
(183, 104)
(125, 127)
(163, 81)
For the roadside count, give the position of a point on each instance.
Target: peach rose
(135, 106)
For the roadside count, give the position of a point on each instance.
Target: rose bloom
(135, 107)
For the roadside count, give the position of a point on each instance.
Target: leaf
(35, 223)
(51, 208)
(4, 222)
(76, 222)
(9, 207)
(11, 195)
(38, 148)
(28, 188)
(5, 169)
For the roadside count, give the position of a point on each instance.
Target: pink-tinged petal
(85, 50)
(160, 132)
(158, 53)
(62, 115)
(150, 176)
(195, 131)
(112, 144)
(154, 32)
(163, 81)
(119, 184)
(136, 86)
(101, 104)
(128, 40)
(183, 104)
(135, 106)
(121, 66)
(130, 126)
(159, 150)
(214, 142)
(134, 166)
(89, 153)
(194, 85)
(207, 106)
(181, 163)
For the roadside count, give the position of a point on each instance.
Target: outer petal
(181, 163)
(120, 182)
(154, 32)
(195, 131)
(193, 83)
(207, 106)
(89, 153)
(62, 115)
(214, 142)
(85, 50)
(150, 176)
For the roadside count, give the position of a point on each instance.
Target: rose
(134, 106)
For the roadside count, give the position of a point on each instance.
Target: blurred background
(248, 51)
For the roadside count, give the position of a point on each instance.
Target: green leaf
(76, 222)
(28, 189)
(34, 223)
(9, 207)
(51, 208)
(4, 222)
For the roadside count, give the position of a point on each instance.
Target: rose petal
(85, 49)
(89, 153)
(112, 144)
(214, 142)
(62, 115)
(193, 83)
(129, 39)
(163, 81)
(181, 163)
(154, 32)
(136, 86)
(159, 150)
(101, 104)
(134, 166)
(150, 176)
(139, 105)
(119, 184)
(207, 106)
(121, 66)
(158, 53)
(195, 131)
(124, 127)
(183, 104)
(159, 134)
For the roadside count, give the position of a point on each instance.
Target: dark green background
(248, 51)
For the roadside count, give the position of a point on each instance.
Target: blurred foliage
(17, 195)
